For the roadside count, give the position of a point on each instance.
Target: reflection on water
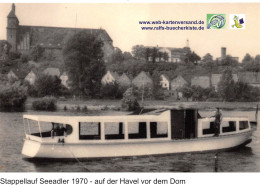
(245, 159)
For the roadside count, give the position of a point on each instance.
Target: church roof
(12, 13)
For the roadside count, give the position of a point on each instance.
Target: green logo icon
(216, 21)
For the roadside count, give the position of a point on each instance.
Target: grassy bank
(105, 104)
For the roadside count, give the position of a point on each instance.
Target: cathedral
(52, 39)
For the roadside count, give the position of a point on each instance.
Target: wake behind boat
(152, 133)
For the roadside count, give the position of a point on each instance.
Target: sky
(121, 21)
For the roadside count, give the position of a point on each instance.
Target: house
(31, 77)
(142, 79)
(52, 71)
(177, 83)
(178, 54)
(11, 75)
(215, 79)
(165, 81)
(124, 81)
(250, 78)
(175, 54)
(109, 77)
(201, 81)
(64, 79)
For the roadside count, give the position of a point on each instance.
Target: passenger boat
(152, 133)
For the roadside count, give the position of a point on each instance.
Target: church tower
(12, 29)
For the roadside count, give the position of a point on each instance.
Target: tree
(83, 57)
(37, 53)
(6, 65)
(197, 93)
(127, 55)
(118, 55)
(111, 90)
(4, 47)
(193, 57)
(226, 86)
(247, 58)
(165, 56)
(154, 54)
(129, 100)
(12, 96)
(245, 92)
(158, 92)
(207, 58)
(257, 58)
(229, 61)
(139, 51)
(148, 53)
(46, 85)
(250, 64)
(187, 91)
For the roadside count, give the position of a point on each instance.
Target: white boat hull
(36, 149)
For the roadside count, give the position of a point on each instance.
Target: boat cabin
(155, 125)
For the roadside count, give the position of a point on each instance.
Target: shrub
(14, 55)
(47, 85)
(45, 104)
(12, 97)
(24, 58)
(36, 53)
(129, 101)
(31, 91)
(187, 91)
(245, 92)
(85, 109)
(111, 90)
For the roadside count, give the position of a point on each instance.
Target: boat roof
(100, 118)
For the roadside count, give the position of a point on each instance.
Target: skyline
(121, 21)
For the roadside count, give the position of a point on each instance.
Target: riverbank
(106, 104)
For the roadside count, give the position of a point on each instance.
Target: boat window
(243, 125)
(114, 130)
(208, 127)
(50, 129)
(32, 127)
(159, 129)
(89, 130)
(46, 128)
(228, 126)
(137, 130)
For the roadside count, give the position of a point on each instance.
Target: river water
(245, 159)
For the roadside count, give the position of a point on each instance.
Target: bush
(245, 92)
(14, 55)
(47, 85)
(187, 91)
(12, 97)
(111, 90)
(45, 104)
(129, 101)
(24, 58)
(36, 53)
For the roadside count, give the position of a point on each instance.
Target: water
(245, 159)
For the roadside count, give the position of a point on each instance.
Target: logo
(237, 21)
(216, 21)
